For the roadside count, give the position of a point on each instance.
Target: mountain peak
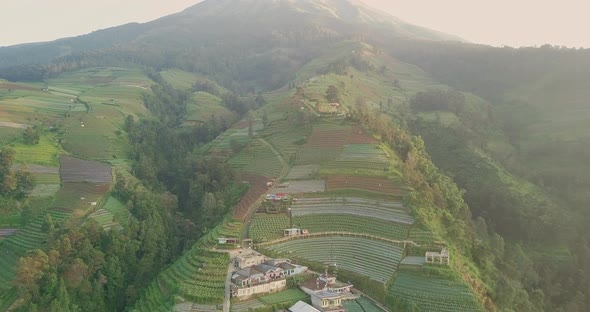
(351, 10)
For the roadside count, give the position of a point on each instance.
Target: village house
(326, 282)
(262, 278)
(327, 301)
(437, 257)
(248, 258)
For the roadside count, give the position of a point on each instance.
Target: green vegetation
(257, 158)
(375, 259)
(270, 226)
(286, 296)
(419, 292)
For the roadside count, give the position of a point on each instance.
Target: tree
(7, 180)
(29, 271)
(332, 94)
(265, 120)
(31, 135)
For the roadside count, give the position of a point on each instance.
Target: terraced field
(322, 146)
(369, 184)
(15, 246)
(375, 259)
(257, 188)
(258, 159)
(430, 293)
(199, 276)
(361, 305)
(384, 210)
(270, 226)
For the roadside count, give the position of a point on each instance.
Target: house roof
(314, 284)
(301, 306)
(286, 266)
(248, 272)
(265, 268)
(326, 294)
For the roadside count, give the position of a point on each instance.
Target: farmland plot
(266, 227)
(303, 186)
(302, 172)
(257, 188)
(369, 184)
(74, 169)
(384, 210)
(375, 259)
(431, 293)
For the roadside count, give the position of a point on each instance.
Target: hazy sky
(496, 22)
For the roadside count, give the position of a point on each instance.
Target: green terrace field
(285, 138)
(431, 293)
(205, 106)
(15, 246)
(117, 209)
(385, 210)
(9, 134)
(223, 142)
(44, 153)
(360, 305)
(257, 158)
(375, 259)
(199, 276)
(266, 227)
(229, 228)
(368, 159)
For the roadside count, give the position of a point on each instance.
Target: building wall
(249, 261)
(274, 286)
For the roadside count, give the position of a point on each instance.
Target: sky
(495, 22)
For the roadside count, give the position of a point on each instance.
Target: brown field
(328, 138)
(77, 197)
(14, 86)
(257, 188)
(358, 135)
(370, 184)
(74, 169)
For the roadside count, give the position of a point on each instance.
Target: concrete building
(437, 257)
(327, 301)
(248, 258)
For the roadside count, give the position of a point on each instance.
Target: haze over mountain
(404, 134)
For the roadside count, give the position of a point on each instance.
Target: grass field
(289, 295)
(205, 106)
(44, 153)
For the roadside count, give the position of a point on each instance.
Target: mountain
(415, 136)
(243, 21)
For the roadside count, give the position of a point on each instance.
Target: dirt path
(13, 125)
(252, 208)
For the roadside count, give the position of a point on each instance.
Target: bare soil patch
(370, 184)
(14, 86)
(74, 169)
(358, 135)
(257, 188)
(13, 125)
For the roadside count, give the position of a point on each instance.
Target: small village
(254, 274)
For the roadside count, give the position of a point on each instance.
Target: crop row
(309, 206)
(270, 226)
(375, 259)
(431, 293)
